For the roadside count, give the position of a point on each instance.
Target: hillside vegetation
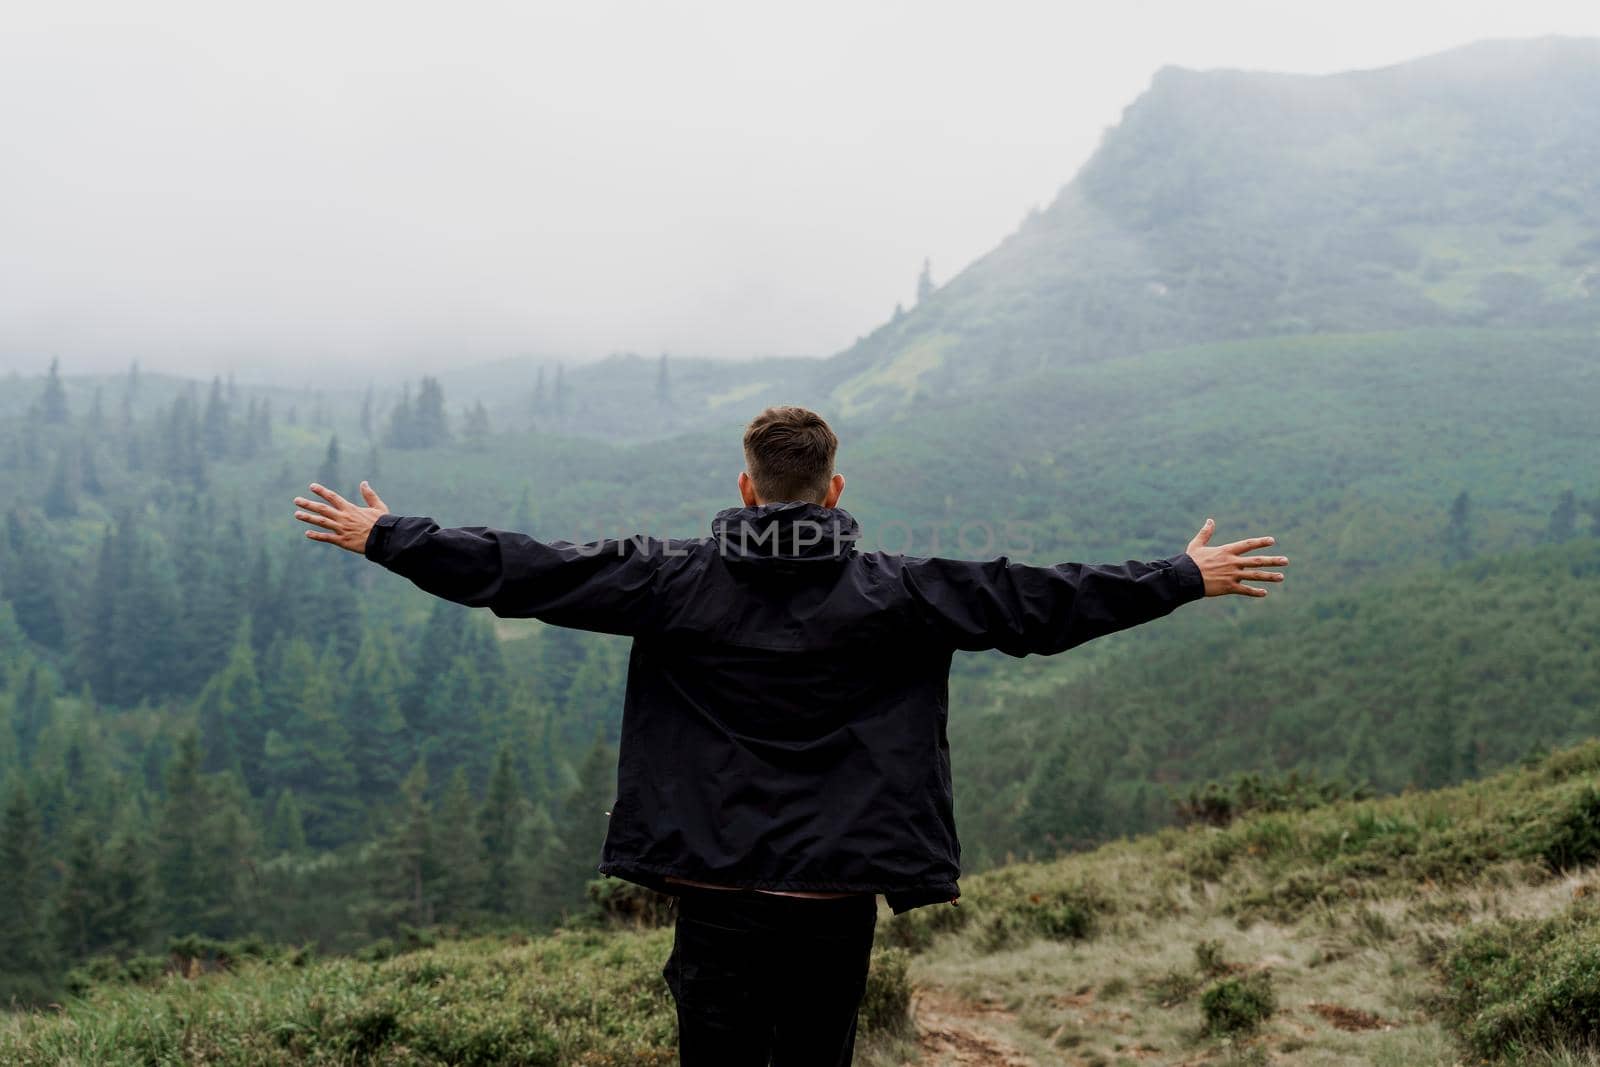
(1417, 930)
(1421, 681)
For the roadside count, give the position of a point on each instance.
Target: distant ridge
(1460, 188)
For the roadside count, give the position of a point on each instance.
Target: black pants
(762, 979)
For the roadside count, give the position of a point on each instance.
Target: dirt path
(954, 1033)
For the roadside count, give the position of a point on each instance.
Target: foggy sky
(282, 189)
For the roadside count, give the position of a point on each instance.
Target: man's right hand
(1226, 568)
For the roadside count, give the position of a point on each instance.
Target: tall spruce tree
(308, 751)
(53, 401)
(499, 825)
(27, 965)
(1563, 524)
(1458, 533)
(458, 893)
(216, 429)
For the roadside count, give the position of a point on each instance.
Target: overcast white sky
(212, 186)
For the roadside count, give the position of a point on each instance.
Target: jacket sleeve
(603, 586)
(1021, 609)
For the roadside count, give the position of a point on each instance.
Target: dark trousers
(765, 980)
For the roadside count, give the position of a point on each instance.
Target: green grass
(577, 997)
(1408, 930)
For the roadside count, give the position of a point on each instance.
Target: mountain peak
(1461, 188)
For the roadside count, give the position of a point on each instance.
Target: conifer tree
(26, 963)
(184, 865)
(309, 750)
(61, 495)
(39, 601)
(204, 847)
(925, 284)
(89, 469)
(406, 866)
(216, 431)
(475, 430)
(1437, 746)
(559, 393)
(81, 897)
(584, 817)
(452, 723)
(380, 743)
(522, 517)
(232, 714)
(53, 401)
(1563, 519)
(401, 432)
(458, 894)
(432, 427)
(95, 422)
(499, 823)
(128, 910)
(328, 474)
(1458, 534)
(286, 832)
(1360, 759)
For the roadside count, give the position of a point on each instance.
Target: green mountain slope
(1455, 189)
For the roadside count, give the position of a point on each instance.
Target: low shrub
(1516, 987)
(915, 930)
(1574, 836)
(1238, 1005)
(886, 1005)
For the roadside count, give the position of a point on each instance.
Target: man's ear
(835, 489)
(747, 490)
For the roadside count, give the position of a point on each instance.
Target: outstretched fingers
(1260, 576)
(372, 498)
(314, 505)
(1249, 544)
(331, 497)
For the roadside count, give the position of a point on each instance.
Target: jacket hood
(784, 533)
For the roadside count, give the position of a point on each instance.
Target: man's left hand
(338, 521)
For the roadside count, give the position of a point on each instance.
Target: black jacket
(784, 723)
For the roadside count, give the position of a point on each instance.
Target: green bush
(1238, 1005)
(886, 1005)
(915, 930)
(1575, 836)
(1523, 986)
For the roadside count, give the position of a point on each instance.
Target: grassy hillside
(1423, 929)
(1454, 189)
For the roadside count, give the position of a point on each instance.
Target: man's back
(784, 720)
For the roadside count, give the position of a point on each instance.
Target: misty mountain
(1456, 189)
